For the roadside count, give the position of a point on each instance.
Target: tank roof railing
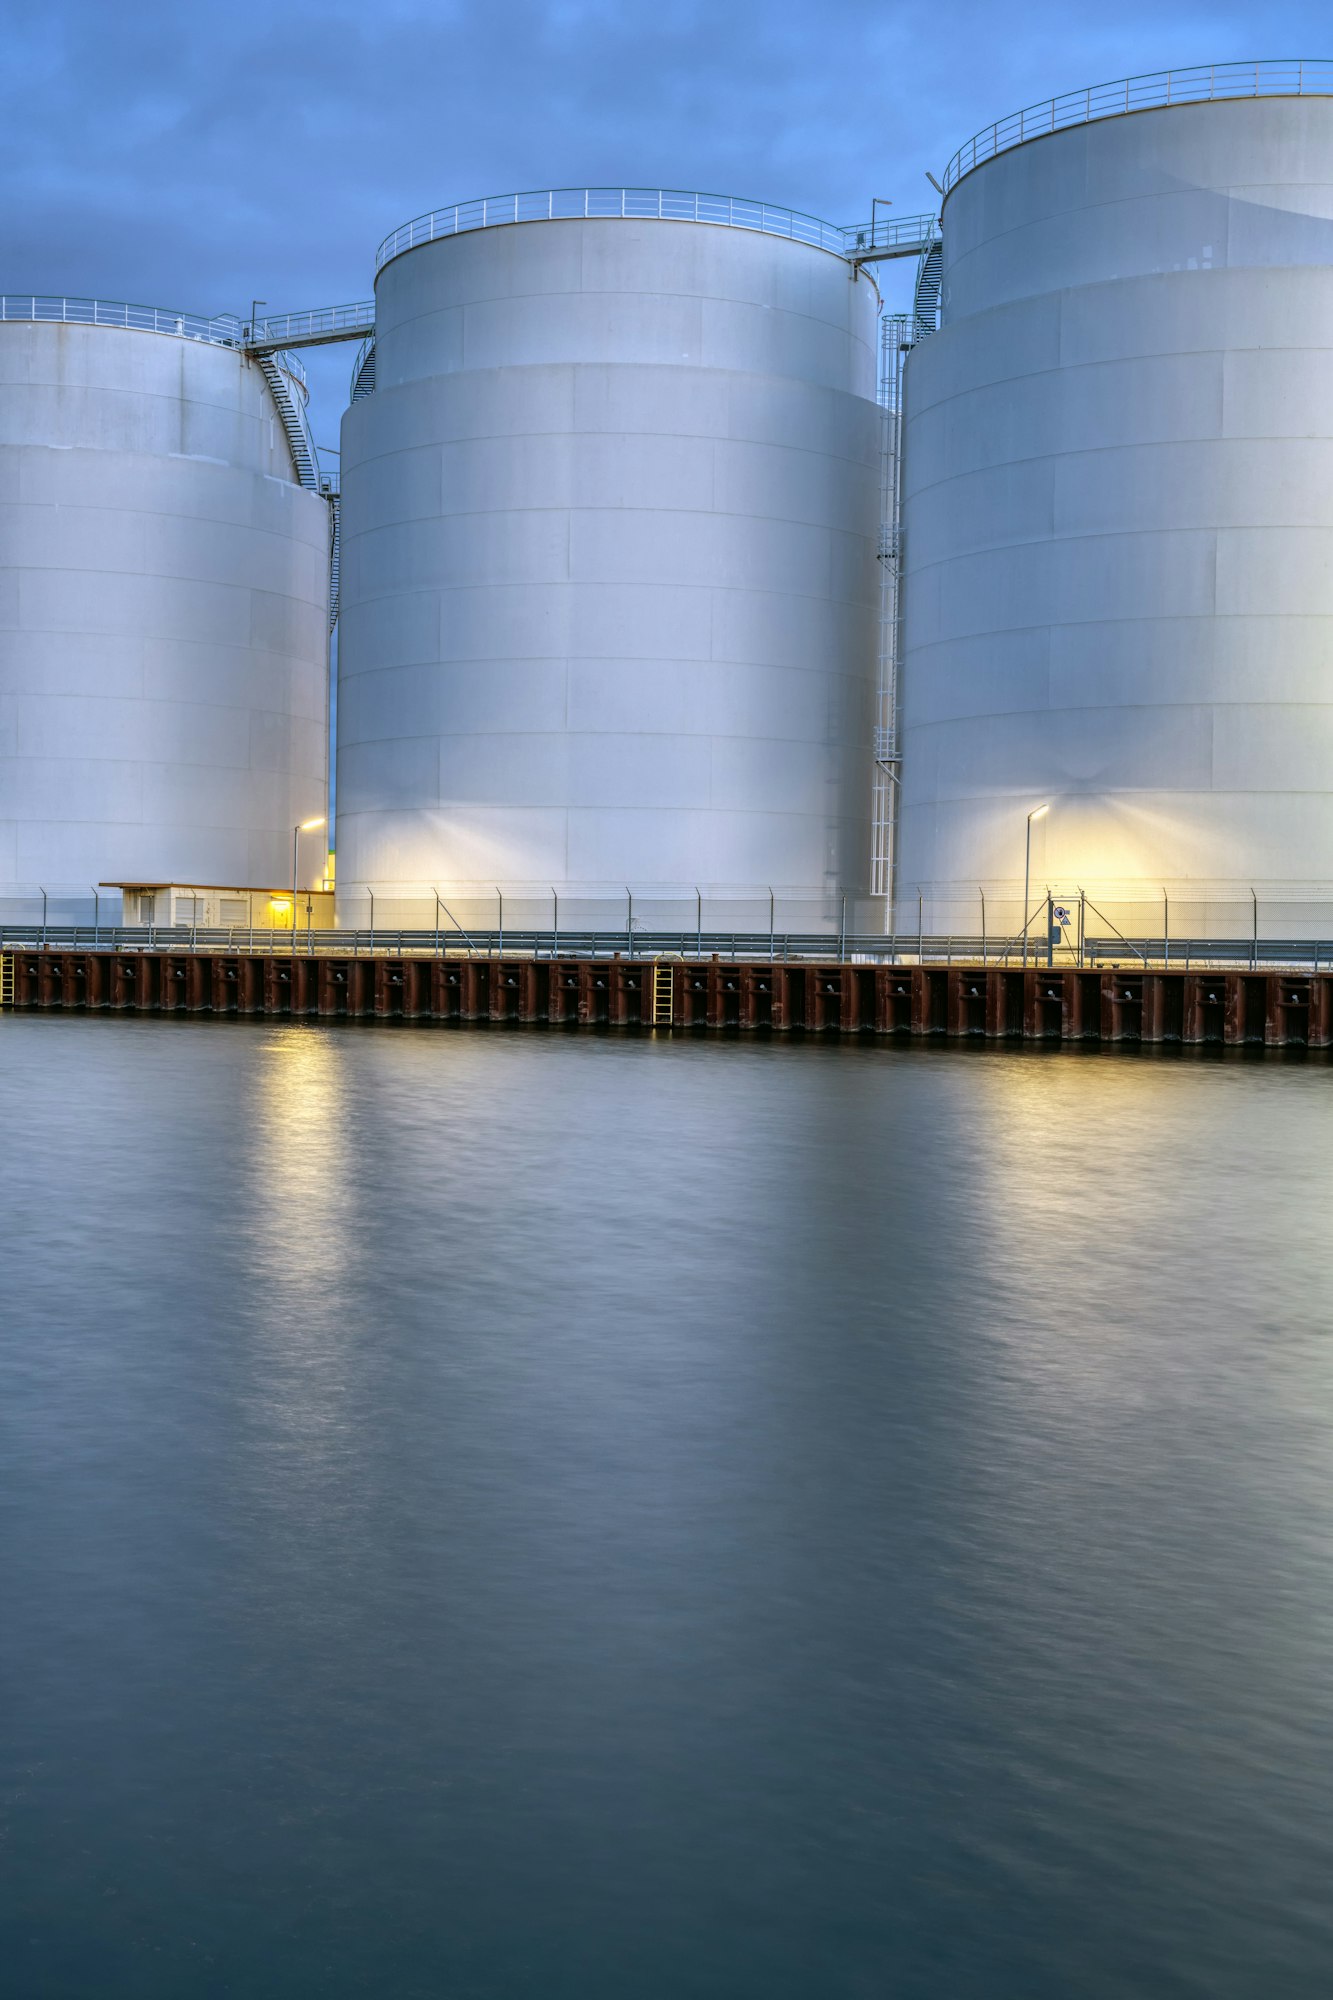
(222, 329)
(276, 335)
(1206, 83)
(901, 236)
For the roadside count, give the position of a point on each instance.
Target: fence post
(772, 953)
(1254, 935)
(1166, 930)
(699, 921)
(842, 931)
(1050, 928)
(97, 918)
(629, 919)
(982, 893)
(500, 892)
(555, 924)
(920, 927)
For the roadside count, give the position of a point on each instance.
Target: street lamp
(306, 826)
(1036, 813)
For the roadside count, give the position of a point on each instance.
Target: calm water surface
(505, 1514)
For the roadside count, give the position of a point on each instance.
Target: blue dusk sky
(200, 156)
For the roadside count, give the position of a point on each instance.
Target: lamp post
(306, 826)
(1036, 813)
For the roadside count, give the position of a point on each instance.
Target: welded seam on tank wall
(672, 437)
(1079, 209)
(1081, 453)
(992, 382)
(198, 396)
(390, 526)
(611, 583)
(657, 299)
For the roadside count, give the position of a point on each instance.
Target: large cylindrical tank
(163, 611)
(1118, 514)
(609, 584)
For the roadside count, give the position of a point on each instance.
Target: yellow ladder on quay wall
(6, 978)
(662, 976)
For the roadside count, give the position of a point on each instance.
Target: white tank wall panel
(163, 606)
(609, 585)
(1240, 184)
(1118, 512)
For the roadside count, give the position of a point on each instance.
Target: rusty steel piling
(960, 1002)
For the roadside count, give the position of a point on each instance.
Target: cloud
(198, 157)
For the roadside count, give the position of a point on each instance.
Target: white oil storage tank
(1118, 507)
(609, 583)
(163, 606)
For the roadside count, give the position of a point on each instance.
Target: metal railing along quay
(1204, 83)
(1145, 953)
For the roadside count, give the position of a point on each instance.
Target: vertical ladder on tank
(6, 978)
(662, 985)
(895, 339)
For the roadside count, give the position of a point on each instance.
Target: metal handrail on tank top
(222, 329)
(1156, 90)
(655, 205)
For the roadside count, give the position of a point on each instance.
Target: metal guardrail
(316, 327)
(223, 329)
(1156, 90)
(1176, 954)
(652, 204)
(897, 236)
(450, 938)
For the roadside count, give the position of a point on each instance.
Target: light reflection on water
(513, 1513)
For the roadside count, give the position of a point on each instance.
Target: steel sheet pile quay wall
(609, 581)
(1118, 516)
(163, 604)
(1109, 1006)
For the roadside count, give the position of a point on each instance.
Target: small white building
(208, 906)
